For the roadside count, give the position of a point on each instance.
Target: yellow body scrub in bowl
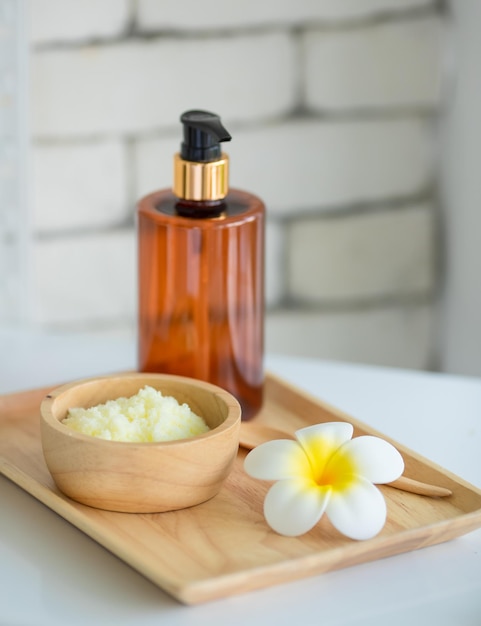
(146, 417)
(140, 476)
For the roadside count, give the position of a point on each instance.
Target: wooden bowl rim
(233, 416)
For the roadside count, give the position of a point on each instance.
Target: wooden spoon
(253, 434)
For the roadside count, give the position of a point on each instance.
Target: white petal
(276, 460)
(320, 441)
(293, 507)
(336, 433)
(371, 457)
(358, 512)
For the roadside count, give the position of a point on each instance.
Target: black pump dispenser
(203, 133)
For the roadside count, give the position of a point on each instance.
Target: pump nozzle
(201, 170)
(203, 133)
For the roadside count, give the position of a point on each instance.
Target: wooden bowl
(140, 477)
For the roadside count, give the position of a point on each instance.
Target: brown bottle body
(201, 293)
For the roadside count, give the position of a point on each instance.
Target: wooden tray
(224, 546)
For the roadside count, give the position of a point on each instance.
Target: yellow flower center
(330, 466)
(339, 473)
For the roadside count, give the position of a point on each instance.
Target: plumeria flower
(326, 471)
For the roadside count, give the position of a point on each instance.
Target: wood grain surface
(223, 546)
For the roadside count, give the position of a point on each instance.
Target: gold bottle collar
(201, 181)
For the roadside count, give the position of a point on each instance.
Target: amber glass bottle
(201, 271)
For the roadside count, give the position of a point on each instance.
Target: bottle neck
(200, 209)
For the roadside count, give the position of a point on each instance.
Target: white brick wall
(331, 107)
(68, 20)
(391, 64)
(275, 260)
(212, 14)
(8, 278)
(153, 164)
(374, 255)
(79, 185)
(14, 139)
(308, 164)
(399, 336)
(141, 85)
(85, 279)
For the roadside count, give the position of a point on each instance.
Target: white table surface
(52, 574)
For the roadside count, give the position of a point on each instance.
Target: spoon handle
(253, 434)
(423, 489)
